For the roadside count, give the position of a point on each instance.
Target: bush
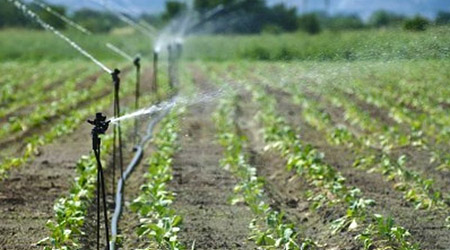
(443, 18)
(382, 18)
(418, 23)
(309, 23)
(344, 22)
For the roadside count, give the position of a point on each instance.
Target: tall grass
(347, 45)
(382, 44)
(36, 45)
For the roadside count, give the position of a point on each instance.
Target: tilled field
(291, 156)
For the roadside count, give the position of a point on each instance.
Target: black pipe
(133, 164)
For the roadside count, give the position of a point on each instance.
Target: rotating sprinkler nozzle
(100, 127)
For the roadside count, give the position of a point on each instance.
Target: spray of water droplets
(47, 26)
(176, 101)
(119, 51)
(62, 17)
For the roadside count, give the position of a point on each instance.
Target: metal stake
(155, 72)
(117, 129)
(100, 127)
(137, 64)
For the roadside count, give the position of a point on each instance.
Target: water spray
(100, 126)
(62, 17)
(47, 26)
(117, 134)
(143, 29)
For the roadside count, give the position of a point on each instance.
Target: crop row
(71, 209)
(157, 221)
(67, 124)
(269, 227)
(372, 147)
(66, 98)
(33, 83)
(330, 188)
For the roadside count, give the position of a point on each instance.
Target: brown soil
(28, 195)
(427, 227)
(203, 189)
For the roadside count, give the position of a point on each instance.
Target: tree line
(226, 16)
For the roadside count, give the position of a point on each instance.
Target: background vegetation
(230, 16)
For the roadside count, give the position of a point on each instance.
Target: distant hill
(364, 8)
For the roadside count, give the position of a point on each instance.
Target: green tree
(442, 18)
(417, 23)
(10, 16)
(48, 17)
(173, 8)
(310, 23)
(96, 21)
(343, 22)
(382, 18)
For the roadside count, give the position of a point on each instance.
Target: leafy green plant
(158, 222)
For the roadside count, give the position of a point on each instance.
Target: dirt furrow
(431, 234)
(203, 188)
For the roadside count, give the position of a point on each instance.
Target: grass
(37, 45)
(384, 44)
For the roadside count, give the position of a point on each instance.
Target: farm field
(312, 150)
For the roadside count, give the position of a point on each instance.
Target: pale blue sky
(362, 7)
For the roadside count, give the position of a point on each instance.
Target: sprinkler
(117, 135)
(137, 64)
(100, 127)
(155, 71)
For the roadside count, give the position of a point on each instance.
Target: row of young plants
(66, 98)
(432, 124)
(269, 227)
(374, 230)
(372, 146)
(158, 222)
(415, 188)
(29, 73)
(31, 86)
(71, 209)
(64, 126)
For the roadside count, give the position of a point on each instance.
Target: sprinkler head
(137, 61)
(100, 124)
(115, 75)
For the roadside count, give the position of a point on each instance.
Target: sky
(363, 8)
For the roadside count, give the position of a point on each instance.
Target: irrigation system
(173, 44)
(100, 126)
(137, 64)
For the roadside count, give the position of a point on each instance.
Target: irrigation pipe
(135, 161)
